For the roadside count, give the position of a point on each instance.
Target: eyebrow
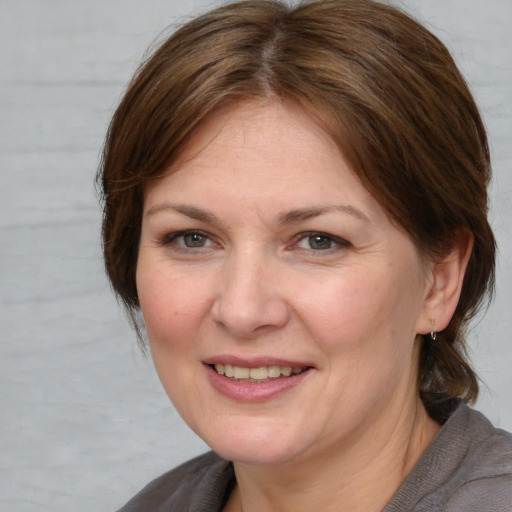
(283, 219)
(301, 214)
(188, 211)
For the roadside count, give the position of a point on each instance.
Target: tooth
(274, 372)
(260, 373)
(240, 372)
(286, 370)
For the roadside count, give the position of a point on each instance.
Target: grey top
(466, 468)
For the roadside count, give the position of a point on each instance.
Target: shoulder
(467, 468)
(200, 484)
(485, 471)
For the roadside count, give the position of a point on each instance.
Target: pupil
(194, 240)
(320, 242)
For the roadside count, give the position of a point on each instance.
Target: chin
(255, 454)
(259, 444)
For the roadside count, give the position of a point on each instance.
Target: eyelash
(171, 239)
(335, 243)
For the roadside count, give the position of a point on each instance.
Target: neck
(362, 476)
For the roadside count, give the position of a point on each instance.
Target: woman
(295, 200)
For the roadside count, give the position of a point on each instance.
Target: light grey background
(84, 423)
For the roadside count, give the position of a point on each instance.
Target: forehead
(272, 156)
(268, 127)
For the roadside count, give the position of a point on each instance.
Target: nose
(249, 301)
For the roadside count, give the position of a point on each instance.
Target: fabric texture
(466, 468)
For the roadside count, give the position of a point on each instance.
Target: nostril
(247, 316)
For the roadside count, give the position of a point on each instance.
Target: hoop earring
(433, 333)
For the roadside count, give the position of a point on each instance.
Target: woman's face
(280, 302)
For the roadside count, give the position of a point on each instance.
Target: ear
(445, 285)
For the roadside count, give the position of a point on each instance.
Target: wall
(84, 423)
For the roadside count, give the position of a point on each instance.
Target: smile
(257, 374)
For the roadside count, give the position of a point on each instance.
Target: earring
(433, 333)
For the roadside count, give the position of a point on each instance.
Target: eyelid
(169, 238)
(338, 241)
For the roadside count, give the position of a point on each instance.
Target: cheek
(340, 308)
(172, 306)
(364, 310)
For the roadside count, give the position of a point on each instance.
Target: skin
(290, 258)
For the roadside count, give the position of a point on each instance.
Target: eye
(320, 242)
(188, 239)
(194, 240)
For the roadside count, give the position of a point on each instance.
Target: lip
(254, 391)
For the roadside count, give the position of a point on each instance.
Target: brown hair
(387, 90)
